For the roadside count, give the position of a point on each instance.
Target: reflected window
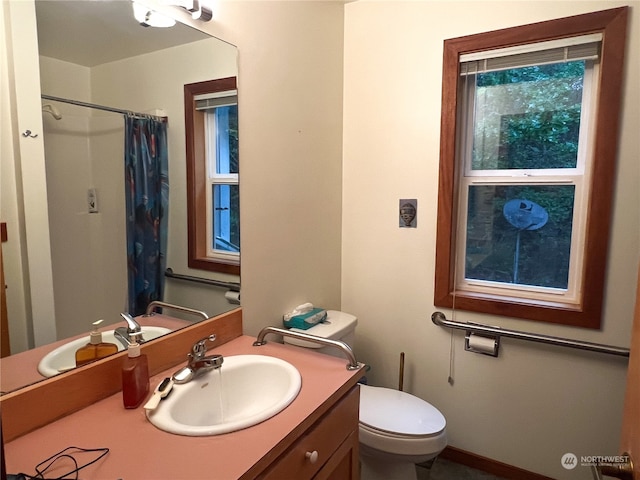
(223, 202)
(211, 111)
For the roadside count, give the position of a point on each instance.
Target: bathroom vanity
(316, 436)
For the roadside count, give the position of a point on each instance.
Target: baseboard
(490, 466)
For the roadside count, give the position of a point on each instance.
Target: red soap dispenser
(135, 377)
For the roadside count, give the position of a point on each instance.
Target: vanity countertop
(140, 451)
(21, 369)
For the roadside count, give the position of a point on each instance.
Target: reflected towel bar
(156, 303)
(207, 281)
(439, 319)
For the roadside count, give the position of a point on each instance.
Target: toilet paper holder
(484, 344)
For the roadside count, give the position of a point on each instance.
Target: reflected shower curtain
(147, 196)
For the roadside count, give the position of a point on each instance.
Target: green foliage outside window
(528, 118)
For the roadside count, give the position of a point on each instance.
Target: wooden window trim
(197, 177)
(612, 24)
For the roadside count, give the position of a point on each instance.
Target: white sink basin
(63, 358)
(245, 391)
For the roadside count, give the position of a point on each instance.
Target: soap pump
(96, 348)
(135, 376)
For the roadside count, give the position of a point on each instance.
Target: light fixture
(190, 5)
(150, 18)
(203, 13)
(195, 7)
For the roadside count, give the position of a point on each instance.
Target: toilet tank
(338, 326)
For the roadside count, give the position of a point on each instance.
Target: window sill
(204, 263)
(543, 311)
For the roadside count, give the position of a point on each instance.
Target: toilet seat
(400, 423)
(398, 413)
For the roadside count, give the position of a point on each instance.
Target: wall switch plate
(92, 200)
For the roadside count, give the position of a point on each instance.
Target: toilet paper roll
(477, 343)
(232, 297)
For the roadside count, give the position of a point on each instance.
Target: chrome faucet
(129, 334)
(198, 362)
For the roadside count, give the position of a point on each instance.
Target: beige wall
(69, 174)
(24, 191)
(13, 250)
(534, 403)
(290, 104)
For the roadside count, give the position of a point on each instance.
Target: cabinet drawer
(312, 450)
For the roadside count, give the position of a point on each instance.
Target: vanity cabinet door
(325, 451)
(344, 463)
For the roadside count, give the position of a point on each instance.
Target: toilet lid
(398, 412)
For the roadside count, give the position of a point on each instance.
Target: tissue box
(306, 320)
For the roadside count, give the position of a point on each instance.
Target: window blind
(584, 47)
(217, 99)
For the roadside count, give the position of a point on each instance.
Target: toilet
(397, 430)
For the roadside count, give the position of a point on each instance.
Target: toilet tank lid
(335, 327)
(398, 412)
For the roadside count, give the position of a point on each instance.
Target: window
(527, 162)
(211, 113)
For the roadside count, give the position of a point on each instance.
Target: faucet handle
(200, 347)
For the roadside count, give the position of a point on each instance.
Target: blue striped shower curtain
(147, 199)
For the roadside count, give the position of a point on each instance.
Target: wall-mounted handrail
(439, 319)
(346, 349)
(235, 286)
(156, 303)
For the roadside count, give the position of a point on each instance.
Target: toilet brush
(401, 374)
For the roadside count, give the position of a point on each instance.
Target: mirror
(96, 52)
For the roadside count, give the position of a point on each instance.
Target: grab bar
(346, 349)
(156, 303)
(439, 319)
(235, 286)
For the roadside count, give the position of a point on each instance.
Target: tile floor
(446, 470)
